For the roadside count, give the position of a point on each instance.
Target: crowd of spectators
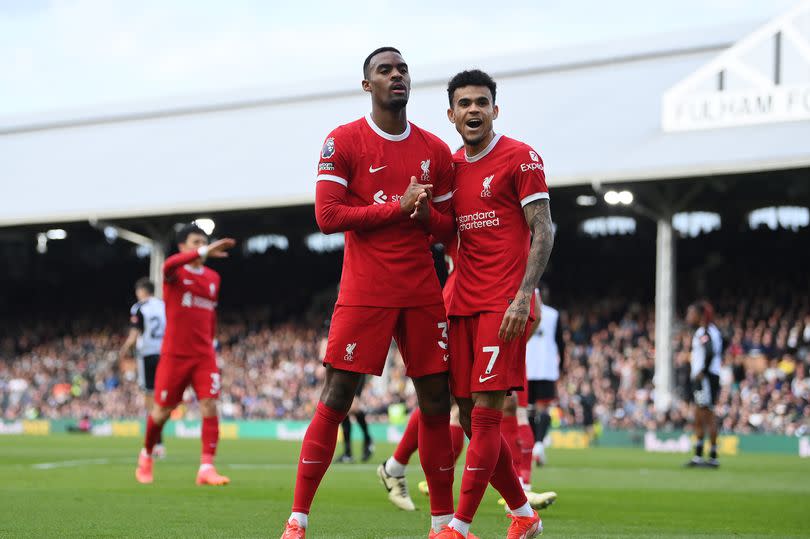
(274, 371)
(765, 386)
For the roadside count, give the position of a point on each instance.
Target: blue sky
(62, 54)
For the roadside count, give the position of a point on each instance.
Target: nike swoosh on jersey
(482, 379)
(474, 469)
(443, 469)
(373, 170)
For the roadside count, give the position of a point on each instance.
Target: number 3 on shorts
(443, 343)
(494, 350)
(215, 383)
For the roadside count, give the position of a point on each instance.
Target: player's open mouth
(474, 123)
(398, 88)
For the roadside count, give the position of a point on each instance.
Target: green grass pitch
(74, 486)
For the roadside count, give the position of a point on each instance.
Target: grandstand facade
(715, 123)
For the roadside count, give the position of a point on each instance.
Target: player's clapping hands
(412, 194)
(219, 249)
(421, 209)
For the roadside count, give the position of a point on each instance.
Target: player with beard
(502, 215)
(389, 286)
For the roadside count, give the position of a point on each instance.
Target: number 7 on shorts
(494, 350)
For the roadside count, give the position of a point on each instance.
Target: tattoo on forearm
(538, 216)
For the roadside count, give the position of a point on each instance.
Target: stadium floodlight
(612, 198)
(142, 251)
(624, 198)
(586, 200)
(56, 234)
(42, 243)
(111, 233)
(208, 225)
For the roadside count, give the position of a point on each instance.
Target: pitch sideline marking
(292, 466)
(68, 463)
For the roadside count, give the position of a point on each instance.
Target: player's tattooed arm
(538, 216)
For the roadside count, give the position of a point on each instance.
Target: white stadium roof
(594, 113)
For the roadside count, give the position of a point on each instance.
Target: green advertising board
(668, 442)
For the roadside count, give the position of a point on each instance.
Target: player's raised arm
(218, 249)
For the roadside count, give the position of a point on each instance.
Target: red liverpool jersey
(387, 259)
(491, 189)
(191, 296)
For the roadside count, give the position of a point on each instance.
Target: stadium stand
(272, 371)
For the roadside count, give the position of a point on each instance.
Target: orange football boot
(524, 527)
(143, 473)
(294, 531)
(208, 476)
(434, 535)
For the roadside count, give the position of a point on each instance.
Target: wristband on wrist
(203, 252)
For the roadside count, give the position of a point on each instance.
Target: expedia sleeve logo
(534, 165)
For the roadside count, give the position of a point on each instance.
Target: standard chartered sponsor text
(479, 219)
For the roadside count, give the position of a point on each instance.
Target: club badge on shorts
(349, 357)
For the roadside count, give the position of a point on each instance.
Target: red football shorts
(359, 338)
(175, 374)
(480, 360)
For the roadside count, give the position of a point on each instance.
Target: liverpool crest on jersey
(425, 171)
(487, 192)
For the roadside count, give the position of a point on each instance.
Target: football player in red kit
(502, 216)
(190, 291)
(389, 286)
(514, 426)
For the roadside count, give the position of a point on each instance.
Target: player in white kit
(544, 355)
(147, 323)
(706, 361)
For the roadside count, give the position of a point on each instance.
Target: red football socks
(436, 457)
(509, 430)
(457, 439)
(152, 434)
(505, 479)
(526, 437)
(482, 456)
(210, 439)
(410, 439)
(317, 451)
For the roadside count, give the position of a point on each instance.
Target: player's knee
(540, 409)
(434, 394)
(160, 414)
(510, 406)
(489, 399)
(338, 391)
(208, 407)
